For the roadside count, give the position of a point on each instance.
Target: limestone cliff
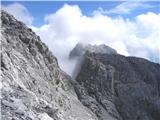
(33, 85)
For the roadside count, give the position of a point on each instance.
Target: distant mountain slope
(33, 85)
(80, 49)
(119, 88)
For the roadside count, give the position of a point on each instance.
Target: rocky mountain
(77, 54)
(80, 49)
(116, 87)
(107, 86)
(33, 86)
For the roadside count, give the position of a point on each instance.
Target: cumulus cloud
(20, 12)
(125, 7)
(68, 26)
(63, 29)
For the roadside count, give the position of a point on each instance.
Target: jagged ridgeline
(119, 88)
(33, 85)
(116, 87)
(107, 86)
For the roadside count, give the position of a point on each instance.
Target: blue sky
(42, 8)
(131, 28)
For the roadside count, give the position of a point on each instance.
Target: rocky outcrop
(115, 87)
(108, 86)
(80, 49)
(33, 86)
(77, 54)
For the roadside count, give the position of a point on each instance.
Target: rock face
(80, 49)
(108, 86)
(115, 87)
(33, 85)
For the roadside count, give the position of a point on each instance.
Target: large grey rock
(115, 87)
(33, 86)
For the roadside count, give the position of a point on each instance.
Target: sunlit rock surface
(33, 85)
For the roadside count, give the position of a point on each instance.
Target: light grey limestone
(33, 85)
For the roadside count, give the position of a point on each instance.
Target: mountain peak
(81, 48)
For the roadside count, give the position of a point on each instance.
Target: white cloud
(64, 28)
(125, 7)
(20, 12)
(68, 26)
